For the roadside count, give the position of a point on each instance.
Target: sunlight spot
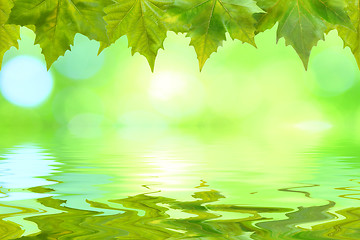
(24, 81)
(23, 166)
(167, 85)
(167, 167)
(176, 94)
(313, 126)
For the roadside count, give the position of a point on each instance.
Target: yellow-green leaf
(57, 21)
(351, 37)
(302, 22)
(9, 34)
(141, 22)
(207, 21)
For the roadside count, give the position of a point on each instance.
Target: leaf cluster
(302, 23)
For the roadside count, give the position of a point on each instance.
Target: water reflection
(23, 168)
(151, 216)
(178, 188)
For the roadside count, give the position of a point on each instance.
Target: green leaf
(57, 21)
(207, 21)
(140, 21)
(9, 34)
(351, 37)
(333, 11)
(302, 22)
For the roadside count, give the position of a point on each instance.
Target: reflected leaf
(145, 216)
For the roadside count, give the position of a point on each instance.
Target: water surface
(179, 186)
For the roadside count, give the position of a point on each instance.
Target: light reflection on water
(178, 188)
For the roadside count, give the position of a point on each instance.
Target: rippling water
(179, 186)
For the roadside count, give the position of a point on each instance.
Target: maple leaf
(57, 21)
(207, 21)
(302, 22)
(141, 22)
(145, 23)
(9, 34)
(351, 37)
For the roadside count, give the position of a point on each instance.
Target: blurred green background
(253, 124)
(263, 91)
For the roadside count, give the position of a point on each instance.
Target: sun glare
(176, 94)
(25, 82)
